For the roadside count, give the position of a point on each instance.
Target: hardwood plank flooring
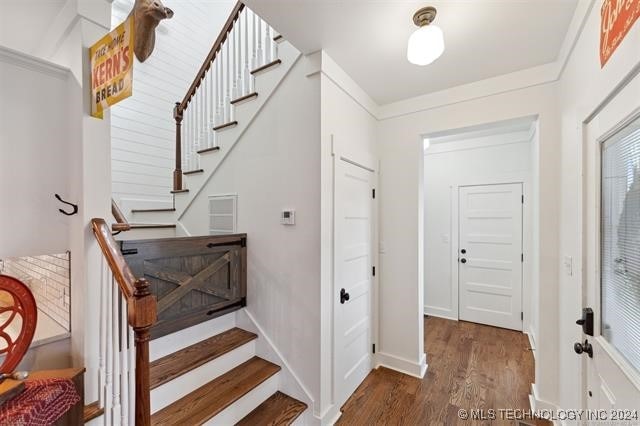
(471, 366)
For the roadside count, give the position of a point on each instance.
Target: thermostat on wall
(288, 217)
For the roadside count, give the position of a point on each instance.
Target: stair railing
(245, 44)
(127, 313)
(121, 224)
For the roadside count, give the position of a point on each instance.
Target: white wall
(504, 156)
(142, 126)
(347, 128)
(583, 87)
(401, 201)
(23, 23)
(274, 166)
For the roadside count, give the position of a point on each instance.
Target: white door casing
(354, 226)
(610, 382)
(490, 254)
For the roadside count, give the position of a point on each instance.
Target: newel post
(177, 173)
(142, 315)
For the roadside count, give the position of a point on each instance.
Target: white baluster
(132, 376)
(268, 38)
(115, 342)
(219, 107)
(108, 388)
(124, 363)
(247, 71)
(211, 106)
(239, 58)
(254, 46)
(104, 285)
(227, 91)
(259, 50)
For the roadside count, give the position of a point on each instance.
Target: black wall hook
(75, 206)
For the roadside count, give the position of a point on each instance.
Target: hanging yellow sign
(112, 68)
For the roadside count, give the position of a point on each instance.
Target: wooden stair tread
(266, 66)
(244, 98)
(225, 126)
(92, 411)
(279, 409)
(209, 400)
(171, 366)
(194, 172)
(179, 191)
(152, 225)
(152, 210)
(203, 151)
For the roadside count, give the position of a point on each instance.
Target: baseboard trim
(540, 404)
(439, 313)
(402, 365)
(532, 342)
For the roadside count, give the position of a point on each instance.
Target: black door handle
(344, 296)
(583, 348)
(586, 321)
(463, 260)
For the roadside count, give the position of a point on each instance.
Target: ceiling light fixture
(426, 44)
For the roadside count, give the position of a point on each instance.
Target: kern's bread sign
(112, 68)
(617, 18)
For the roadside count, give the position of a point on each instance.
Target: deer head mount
(147, 15)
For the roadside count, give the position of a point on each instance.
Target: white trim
(540, 404)
(532, 342)
(282, 361)
(32, 63)
(402, 365)
(184, 231)
(434, 311)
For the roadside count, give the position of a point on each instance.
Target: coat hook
(75, 206)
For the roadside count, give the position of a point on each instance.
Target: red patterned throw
(41, 403)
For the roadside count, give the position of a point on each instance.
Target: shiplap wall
(142, 127)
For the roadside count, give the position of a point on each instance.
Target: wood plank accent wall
(142, 127)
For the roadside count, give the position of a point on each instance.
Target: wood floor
(471, 366)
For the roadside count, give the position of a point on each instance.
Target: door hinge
(374, 271)
(521, 257)
(523, 199)
(521, 316)
(374, 348)
(373, 193)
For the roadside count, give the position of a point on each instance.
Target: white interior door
(490, 255)
(353, 239)
(612, 258)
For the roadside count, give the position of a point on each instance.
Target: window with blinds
(620, 242)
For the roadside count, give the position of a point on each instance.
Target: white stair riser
(166, 345)
(146, 234)
(153, 217)
(188, 382)
(239, 409)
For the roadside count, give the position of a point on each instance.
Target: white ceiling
(367, 38)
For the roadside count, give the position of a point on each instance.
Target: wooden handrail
(142, 314)
(121, 221)
(179, 108)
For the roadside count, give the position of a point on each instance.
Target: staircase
(219, 380)
(244, 67)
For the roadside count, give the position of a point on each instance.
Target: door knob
(463, 251)
(463, 260)
(344, 296)
(583, 348)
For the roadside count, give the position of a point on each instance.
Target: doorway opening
(478, 204)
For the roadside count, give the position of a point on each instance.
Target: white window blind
(222, 214)
(620, 242)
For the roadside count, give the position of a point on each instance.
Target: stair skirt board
(181, 386)
(245, 405)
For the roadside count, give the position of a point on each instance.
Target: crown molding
(32, 63)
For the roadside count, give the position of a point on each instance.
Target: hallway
(471, 366)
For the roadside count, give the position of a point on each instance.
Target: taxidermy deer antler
(147, 15)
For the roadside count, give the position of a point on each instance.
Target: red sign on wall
(617, 18)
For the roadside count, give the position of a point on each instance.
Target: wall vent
(223, 214)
